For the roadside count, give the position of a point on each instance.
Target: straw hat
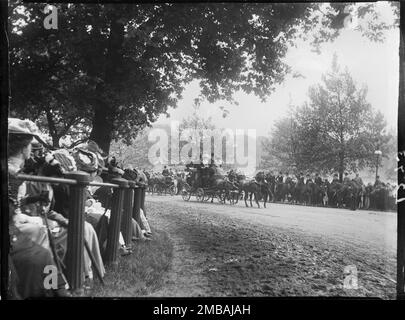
(25, 127)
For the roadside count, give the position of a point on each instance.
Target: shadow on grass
(140, 273)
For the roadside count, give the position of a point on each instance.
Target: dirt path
(222, 250)
(186, 278)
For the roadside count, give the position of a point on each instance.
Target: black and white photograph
(202, 149)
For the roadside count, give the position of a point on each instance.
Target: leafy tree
(336, 131)
(286, 142)
(114, 68)
(135, 154)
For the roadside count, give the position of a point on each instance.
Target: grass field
(141, 272)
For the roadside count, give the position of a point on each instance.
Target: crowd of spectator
(39, 212)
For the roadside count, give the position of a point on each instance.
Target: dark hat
(18, 126)
(130, 174)
(115, 171)
(93, 147)
(36, 146)
(85, 160)
(66, 161)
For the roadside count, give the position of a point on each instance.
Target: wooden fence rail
(126, 203)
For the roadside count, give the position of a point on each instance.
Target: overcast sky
(372, 64)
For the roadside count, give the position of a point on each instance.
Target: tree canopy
(336, 131)
(111, 69)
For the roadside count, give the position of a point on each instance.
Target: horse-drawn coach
(208, 182)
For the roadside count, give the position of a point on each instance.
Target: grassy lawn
(140, 273)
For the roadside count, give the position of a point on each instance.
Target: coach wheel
(221, 197)
(185, 195)
(172, 190)
(159, 190)
(199, 194)
(231, 197)
(207, 196)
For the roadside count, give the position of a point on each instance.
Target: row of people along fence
(128, 199)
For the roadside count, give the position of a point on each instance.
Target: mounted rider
(301, 178)
(335, 179)
(271, 179)
(280, 178)
(288, 179)
(358, 180)
(318, 180)
(165, 172)
(346, 179)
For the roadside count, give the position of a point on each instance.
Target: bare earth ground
(281, 250)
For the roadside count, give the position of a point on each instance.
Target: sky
(372, 64)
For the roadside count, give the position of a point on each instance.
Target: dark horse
(351, 193)
(318, 193)
(335, 194)
(284, 190)
(249, 187)
(222, 185)
(298, 195)
(266, 185)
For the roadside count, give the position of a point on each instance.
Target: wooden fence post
(75, 238)
(137, 205)
(114, 224)
(126, 223)
(143, 195)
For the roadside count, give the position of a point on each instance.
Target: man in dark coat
(358, 180)
(335, 179)
(346, 179)
(318, 179)
(280, 177)
(165, 171)
(301, 178)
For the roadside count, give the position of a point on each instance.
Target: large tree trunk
(341, 166)
(52, 129)
(102, 127)
(104, 111)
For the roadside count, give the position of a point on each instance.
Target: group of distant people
(316, 178)
(40, 211)
(336, 191)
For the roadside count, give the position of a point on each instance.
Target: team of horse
(349, 195)
(264, 187)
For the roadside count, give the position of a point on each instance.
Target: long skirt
(144, 222)
(36, 233)
(29, 260)
(60, 241)
(136, 231)
(91, 237)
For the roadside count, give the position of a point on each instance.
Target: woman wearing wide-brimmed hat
(29, 244)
